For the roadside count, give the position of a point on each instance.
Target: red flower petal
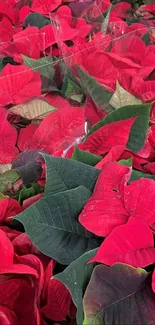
(139, 200)
(9, 208)
(45, 7)
(31, 200)
(19, 294)
(105, 209)
(57, 298)
(8, 317)
(23, 245)
(25, 135)
(113, 155)
(18, 83)
(115, 133)
(125, 245)
(27, 42)
(59, 129)
(8, 136)
(6, 249)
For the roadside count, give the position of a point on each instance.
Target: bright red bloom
(18, 83)
(45, 8)
(8, 208)
(27, 42)
(124, 245)
(112, 134)
(8, 136)
(56, 297)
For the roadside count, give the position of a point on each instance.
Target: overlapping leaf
(120, 295)
(52, 222)
(76, 277)
(139, 129)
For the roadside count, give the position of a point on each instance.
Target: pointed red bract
(105, 209)
(139, 200)
(18, 83)
(45, 7)
(58, 130)
(6, 249)
(27, 42)
(131, 243)
(8, 138)
(112, 134)
(58, 298)
(8, 208)
(113, 155)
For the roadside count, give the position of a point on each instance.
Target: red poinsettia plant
(77, 162)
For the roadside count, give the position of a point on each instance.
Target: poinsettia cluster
(77, 162)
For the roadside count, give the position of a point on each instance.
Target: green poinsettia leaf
(53, 227)
(25, 192)
(85, 157)
(140, 126)
(98, 93)
(10, 176)
(76, 278)
(43, 65)
(71, 89)
(63, 174)
(126, 162)
(136, 174)
(120, 294)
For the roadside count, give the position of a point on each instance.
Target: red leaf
(8, 136)
(105, 209)
(112, 134)
(131, 243)
(23, 13)
(59, 130)
(8, 317)
(47, 37)
(113, 155)
(139, 200)
(18, 294)
(33, 262)
(18, 83)
(64, 12)
(31, 200)
(25, 135)
(6, 249)
(8, 208)
(45, 7)
(27, 42)
(58, 301)
(153, 281)
(23, 245)
(6, 30)
(11, 233)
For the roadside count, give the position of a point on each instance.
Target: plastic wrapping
(85, 58)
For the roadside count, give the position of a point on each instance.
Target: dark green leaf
(64, 174)
(43, 65)
(146, 38)
(25, 193)
(136, 174)
(53, 227)
(119, 295)
(76, 278)
(97, 92)
(36, 19)
(85, 157)
(139, 129)
(70, 88)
